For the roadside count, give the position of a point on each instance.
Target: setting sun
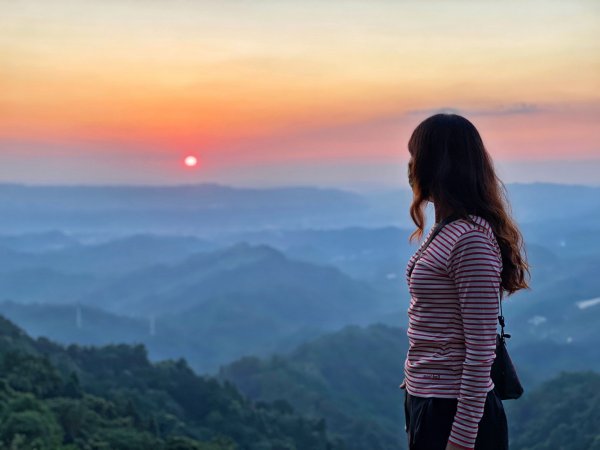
(191, 161)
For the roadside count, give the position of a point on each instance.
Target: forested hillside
(351, 377)
(58, 398)
(322, 396)
(562, 413)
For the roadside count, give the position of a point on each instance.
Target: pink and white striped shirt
(453, 315)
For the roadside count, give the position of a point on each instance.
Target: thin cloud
(513, 109)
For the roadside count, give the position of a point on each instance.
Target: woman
(449, 397)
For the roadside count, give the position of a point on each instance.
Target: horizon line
(258, 187)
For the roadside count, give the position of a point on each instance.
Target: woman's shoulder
(468, 241)
(463, 231)
(462, 225)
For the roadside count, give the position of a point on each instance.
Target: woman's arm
(475, 265)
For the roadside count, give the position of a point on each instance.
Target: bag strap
(501, 316)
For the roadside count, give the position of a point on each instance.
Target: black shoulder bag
(503, 372)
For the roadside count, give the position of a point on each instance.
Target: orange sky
(120, 91)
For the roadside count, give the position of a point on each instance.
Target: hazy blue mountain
(68, 274)
(115, 256)
(45, 284)
(67, 324)
(38, 242)
(371, 254)
(202, 208)
(222, 305)
(538, 361)
(550, 310)
(213, 209)
(127, 253)
(364, 234)
(240, 270)
(82, 325)
(553, 202)
(233, 295)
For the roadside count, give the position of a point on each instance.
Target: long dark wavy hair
(451, 167)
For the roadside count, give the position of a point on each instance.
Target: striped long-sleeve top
(453, 316)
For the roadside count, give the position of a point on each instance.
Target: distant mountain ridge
(192, 208)
(251, 299)
(240, 269)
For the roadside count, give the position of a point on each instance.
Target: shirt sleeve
(475, 265)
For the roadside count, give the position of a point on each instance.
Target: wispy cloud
(501, 110)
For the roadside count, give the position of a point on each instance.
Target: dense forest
(112, 397)
(563, 413)
(58, 398)
(351, 377)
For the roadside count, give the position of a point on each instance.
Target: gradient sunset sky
(292, 92)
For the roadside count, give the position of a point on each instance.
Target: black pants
(429, 421)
